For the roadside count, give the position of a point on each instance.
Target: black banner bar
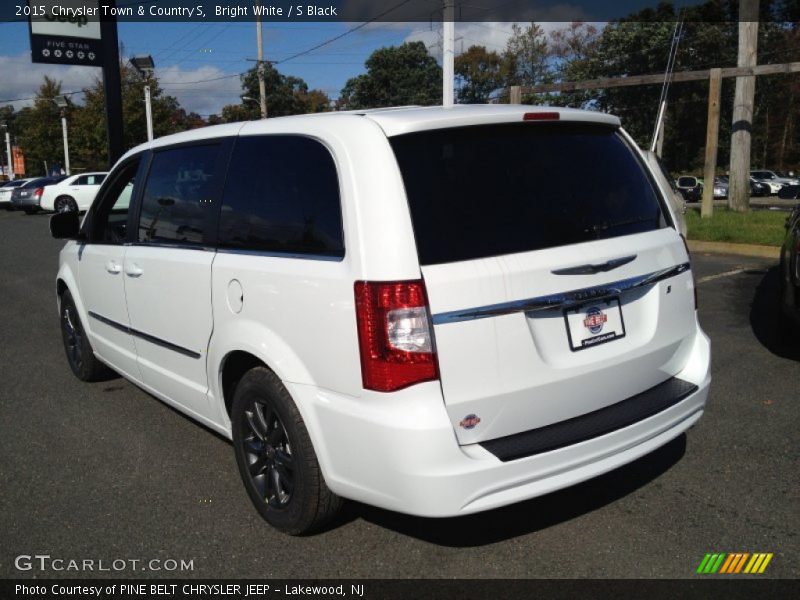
(411, 10)
(360, 589)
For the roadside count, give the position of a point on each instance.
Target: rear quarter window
(476, 192)
(282, 196)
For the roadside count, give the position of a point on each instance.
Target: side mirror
(65, 225)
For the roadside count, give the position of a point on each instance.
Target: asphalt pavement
(106, 472)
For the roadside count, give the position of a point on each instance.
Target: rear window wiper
(613, 225)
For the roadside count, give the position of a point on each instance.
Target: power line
(303, 52)
(40, 97)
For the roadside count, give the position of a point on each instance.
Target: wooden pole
(262, 89)
(739, 185)
(516, 95)
(712, 142)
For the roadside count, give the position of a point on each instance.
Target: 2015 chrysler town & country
(421, 309)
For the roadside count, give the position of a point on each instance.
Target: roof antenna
(662, 103)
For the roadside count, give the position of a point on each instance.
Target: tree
(526, 60)
(571, 48)
(479, 73)
(396, 76)
(286, 95)
(39, 130)
(88, 145)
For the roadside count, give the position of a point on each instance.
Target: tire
(65, 204)
(80, 355)
(276, 459)
(30, 210)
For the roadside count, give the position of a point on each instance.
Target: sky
(187, 52)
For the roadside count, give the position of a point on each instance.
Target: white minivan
(437, 311)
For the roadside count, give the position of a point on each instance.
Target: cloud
(493, 35)
(201, 90)
(21, 80)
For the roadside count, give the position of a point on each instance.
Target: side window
(109, 223)
(89, 180)
(282, 195)
(178, 194)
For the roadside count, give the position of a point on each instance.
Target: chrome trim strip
(559, 301)
(276, 254)
(146, 336)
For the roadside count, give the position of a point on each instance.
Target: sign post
(83, 40)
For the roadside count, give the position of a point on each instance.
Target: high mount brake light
(541, 116)
(394, 334)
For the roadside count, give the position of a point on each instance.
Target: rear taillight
(694, 280)
(38, 192)
(394, 334)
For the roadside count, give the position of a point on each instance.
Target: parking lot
(105, 471)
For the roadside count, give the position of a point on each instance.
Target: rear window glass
(476, 192)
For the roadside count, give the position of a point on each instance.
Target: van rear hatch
(557, 285)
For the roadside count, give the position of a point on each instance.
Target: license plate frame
(575, 317)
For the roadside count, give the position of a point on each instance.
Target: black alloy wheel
(65, 204)
(73, 337)
(268, 452)
(80, 355)
(276, 458)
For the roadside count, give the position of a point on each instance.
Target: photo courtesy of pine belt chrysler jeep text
(421, 309)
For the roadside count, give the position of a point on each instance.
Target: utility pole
(262, 91)
(66, 142)
(739, 186)
(148, 111)
(10, 156)
(62, 103)
(448, 54)
(712, 137)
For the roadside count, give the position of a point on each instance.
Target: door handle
(113, 267)
(133, 270)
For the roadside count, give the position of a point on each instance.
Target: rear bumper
(25, 202)
(399, 451)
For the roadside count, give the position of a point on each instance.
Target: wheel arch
(240, 345)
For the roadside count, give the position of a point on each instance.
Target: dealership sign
(65, 32)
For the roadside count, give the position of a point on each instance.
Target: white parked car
(74, 193)
(7, 189)
(421, 309)
(773, 180)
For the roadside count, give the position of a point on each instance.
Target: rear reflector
(694, 280)
(541, 116)
(394, 334)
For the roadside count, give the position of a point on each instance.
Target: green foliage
(286, 95)
(38, 130)
(479, 73)
(763, 227)
(396, 76)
